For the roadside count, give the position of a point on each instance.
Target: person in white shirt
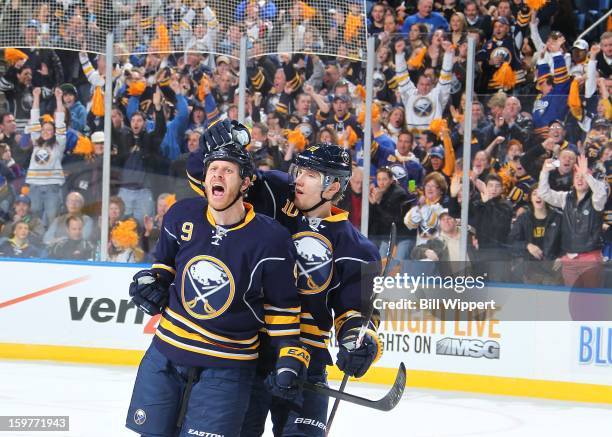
(423, 101)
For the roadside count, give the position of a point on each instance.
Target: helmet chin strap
(238, 196)
(316, 205)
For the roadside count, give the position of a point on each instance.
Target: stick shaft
(345, 379)
(364, 325)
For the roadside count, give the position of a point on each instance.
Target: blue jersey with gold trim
(226, 286)
(334, 263)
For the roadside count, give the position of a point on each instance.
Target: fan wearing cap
(78, 113)
(551, 103)
(557, 147)
(330, 256)
(450, 234)
(579, 52)
(500, 60)
(557, 133)
(21, 212)
(222, 274)
(340, 117)
(435, 161)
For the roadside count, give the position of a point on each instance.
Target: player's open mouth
(218, 190)
(298, 191)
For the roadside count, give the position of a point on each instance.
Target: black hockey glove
(291, 368)
(356, 361)
(224, 132)
(148, 292)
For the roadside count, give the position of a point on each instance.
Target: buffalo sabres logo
(502, 52)
(305, 128)
(272, 102)
(140, 417)
(540, 106)
(345, 157)
(42, 156)
(423, 107)
(207, 287)
(314, 263)
(399, 172)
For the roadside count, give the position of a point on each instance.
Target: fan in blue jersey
(222, 275)
(332, 275)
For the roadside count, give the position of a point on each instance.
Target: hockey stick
(386, 403)
(365, 324)
(185, 399)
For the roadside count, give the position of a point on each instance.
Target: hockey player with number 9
(216, 286)
(330, 268)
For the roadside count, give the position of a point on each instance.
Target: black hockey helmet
(232, 153)
(332, 161)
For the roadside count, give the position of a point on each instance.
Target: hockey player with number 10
(216, 286)
(331, 270)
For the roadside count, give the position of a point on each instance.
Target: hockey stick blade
(365, 324)
(386, 403)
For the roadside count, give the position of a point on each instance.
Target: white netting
(324, 27)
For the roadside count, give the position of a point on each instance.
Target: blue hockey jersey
(227, 286)
(382, 147)
(334, 264)
(552, 106)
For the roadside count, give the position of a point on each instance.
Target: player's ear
(246, 183)
(331, 191)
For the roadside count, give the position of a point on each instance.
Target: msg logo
(460, 347)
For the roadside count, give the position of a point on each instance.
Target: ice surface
(96, 399)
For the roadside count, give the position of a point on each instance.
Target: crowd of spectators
(541, 154)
